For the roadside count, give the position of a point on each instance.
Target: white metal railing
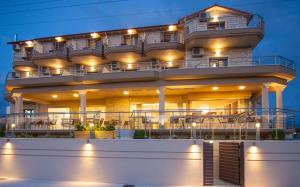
(159, 66)
(226, 23)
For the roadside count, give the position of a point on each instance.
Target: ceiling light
(75, 95)
(218, 52)
(29, 44)
(172, 28)
(54, 96)
(215, 88)
(126, 92)
(131, 31)
(242, 87)
(157, 91)
(95, 35)
(59, 39)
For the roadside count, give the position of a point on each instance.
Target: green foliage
(280, 134)
(139, 134)
(2, 130)
(97, 127)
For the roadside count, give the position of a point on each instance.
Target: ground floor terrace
(191, 105)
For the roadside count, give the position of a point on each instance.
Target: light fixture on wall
(157, 91)
(129, 66)
(242, 87)
(170, 63)
(13, 126)
(211, 141)
(126, 92)
(75, 95)
(218, 52)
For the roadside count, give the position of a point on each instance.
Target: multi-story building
(199, 72)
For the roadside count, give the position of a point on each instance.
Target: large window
(215, 26)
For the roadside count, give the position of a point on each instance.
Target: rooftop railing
(226, 23)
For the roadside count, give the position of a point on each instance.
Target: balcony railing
(59, 53)
(205, 119)
(161, 66)
(226, 23)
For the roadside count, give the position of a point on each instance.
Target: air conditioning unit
(197, 52)
(204, 16)
(16, 47)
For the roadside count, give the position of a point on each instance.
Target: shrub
(2, 130)
(139, 134)
(280, 134)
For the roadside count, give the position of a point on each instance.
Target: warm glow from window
(75, 95)
(131, 31)
(59, 39)
(172, 28)
(126, 92)
(95, 35)
(215, 88)
(29, 44)
(242, 87)
(54, 96)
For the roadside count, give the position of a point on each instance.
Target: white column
(161, 119)
(18, 103)
(265, 104)
(82, 111)
(279, 106)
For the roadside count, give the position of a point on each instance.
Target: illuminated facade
(200, 66)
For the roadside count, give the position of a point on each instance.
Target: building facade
(199, 71)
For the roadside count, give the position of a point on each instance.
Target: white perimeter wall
(272, 164)
(152, 162)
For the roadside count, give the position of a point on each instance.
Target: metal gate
(208, 172)
(231, 162)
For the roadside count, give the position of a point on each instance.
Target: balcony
(269, 66)
(170, 47)
(90, 55)
(128, 52)
(226, 32)
(53, 58)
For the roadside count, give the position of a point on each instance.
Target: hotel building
(199, 71)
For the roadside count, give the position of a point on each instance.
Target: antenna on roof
(15, 37)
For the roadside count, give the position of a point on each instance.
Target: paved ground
(4, 182)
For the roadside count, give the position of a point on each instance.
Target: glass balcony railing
(214, 62)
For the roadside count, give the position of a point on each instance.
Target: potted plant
(81, 131)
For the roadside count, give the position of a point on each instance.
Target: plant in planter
(280, 134)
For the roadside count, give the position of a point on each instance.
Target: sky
(38, 18)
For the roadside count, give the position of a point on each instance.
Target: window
(129, 40)
(216, 26)
(28, 113)
(60, 46)
(218, 62)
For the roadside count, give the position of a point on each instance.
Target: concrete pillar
(161, 120)
(18, 103)
(279, 106)
(265, 104)
(82, 109)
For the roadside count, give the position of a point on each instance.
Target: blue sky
(43, 18)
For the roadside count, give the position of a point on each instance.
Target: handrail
(161, 66)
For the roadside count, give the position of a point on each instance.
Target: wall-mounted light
(92, 69)
(27, 74)
(157, 91)
(58, 71)
(95, 35)
(75, 95)
(59, 39)
(211, 142)
(126, 92)
(172, 28)
(257, 125)
(13, 126)
(194, 124)
(29, 43)
(131, 31)
(215, 88)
